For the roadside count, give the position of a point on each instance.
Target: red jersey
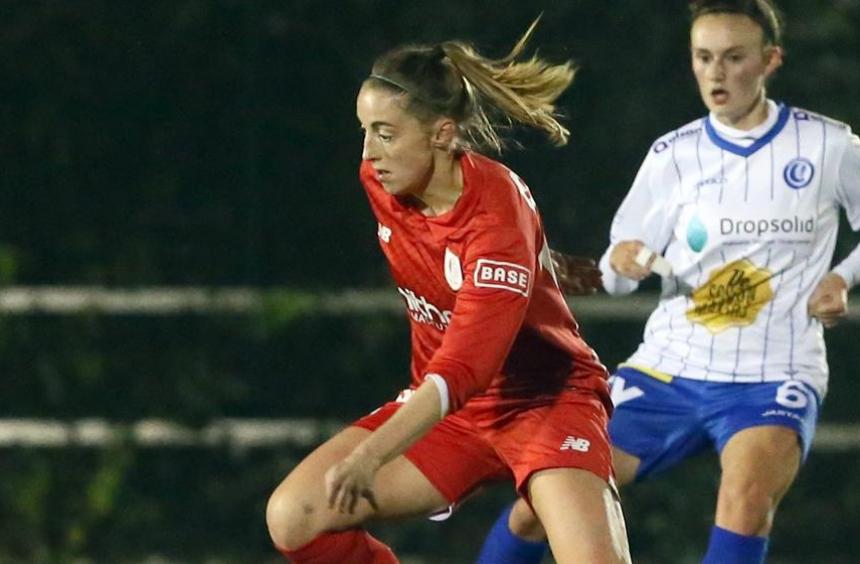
(485, 310)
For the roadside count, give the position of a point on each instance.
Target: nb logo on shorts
(572, 443)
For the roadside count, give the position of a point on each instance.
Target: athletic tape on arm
(660, 265)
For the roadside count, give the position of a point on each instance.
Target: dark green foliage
(174, 142)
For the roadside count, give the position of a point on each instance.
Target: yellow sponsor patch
(733, 296)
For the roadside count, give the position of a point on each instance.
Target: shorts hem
(449, 496)
(522, 488)
(788, 423)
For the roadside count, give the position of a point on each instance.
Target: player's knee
(292, 519)
(747, 504)
(525, 524)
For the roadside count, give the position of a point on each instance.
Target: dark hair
(480, 94)
(763, 12)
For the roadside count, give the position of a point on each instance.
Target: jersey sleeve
(498, 274)
(647, 214)
(848, 196)
(848, 190)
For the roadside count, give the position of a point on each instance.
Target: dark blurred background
(214, 144)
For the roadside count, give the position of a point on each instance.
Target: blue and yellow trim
(656, 374)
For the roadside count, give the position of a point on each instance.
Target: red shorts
(482, 443)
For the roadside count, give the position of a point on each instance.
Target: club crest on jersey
(453, 270)
(798, 173)
(502, 275)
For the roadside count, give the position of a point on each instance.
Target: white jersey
(748, 221)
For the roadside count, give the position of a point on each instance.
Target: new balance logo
(572, 443)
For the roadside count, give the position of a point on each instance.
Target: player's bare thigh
(625, 466)
(582, 516)
(759, 465)
(298, 509)
(523, 522)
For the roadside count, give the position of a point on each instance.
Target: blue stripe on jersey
(722, 174)
(740, 329)
(737, 355)
(699, 160)
(791, 316)
(769, 317)
(797, 134)
(821, 176)
(713, 335)
(799, 286)
(797, 145)
(809, 318)
(668, 341)
(794, 254)
(680, 183)
(692, 325)
(784, 113)
(776, 293)
(675, 162)
(771, 171)
(666, 309)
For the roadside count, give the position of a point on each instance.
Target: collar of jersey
(740, 150)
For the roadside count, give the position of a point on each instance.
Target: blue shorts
(664, 420)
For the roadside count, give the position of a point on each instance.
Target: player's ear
(773, 57)
(444, 133)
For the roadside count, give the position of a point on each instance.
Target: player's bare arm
(352, 478)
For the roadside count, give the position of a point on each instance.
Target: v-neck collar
(740, 150)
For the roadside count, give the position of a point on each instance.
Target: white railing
(64, 300)
(243, 434)
(257, 433)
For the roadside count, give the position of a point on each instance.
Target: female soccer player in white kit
(744, 206)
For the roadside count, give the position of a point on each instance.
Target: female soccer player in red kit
(503, 386)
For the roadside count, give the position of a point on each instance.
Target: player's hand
(829, 302)
(622, 259)
(578, 276)
(350, 480)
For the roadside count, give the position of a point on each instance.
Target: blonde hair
(480, 94)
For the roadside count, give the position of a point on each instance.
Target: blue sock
(726, 547)
(503, 547)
